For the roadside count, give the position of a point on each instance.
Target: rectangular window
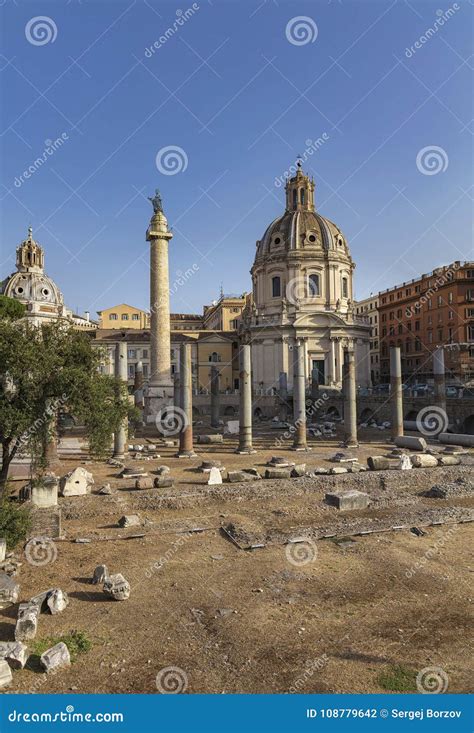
(440, 334)
(135, 317)
(131, 371)
(451, 314)
(409, 325)
(124, 316)
(430, 337)
(417, 325)
(145, 371)
(132, 353)
(450, 297)
(145, 353)
(113, 317)
(440, 300)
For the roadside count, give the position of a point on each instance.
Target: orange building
(430, 311)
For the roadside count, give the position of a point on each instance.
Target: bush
(76, 641)
(398, 679)
(15, 522)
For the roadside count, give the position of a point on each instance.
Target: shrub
(15, 522)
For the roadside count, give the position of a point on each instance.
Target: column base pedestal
(186, 454)
(349, 444)
(245, 451)
(301, 449)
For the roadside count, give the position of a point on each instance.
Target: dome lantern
(299, 191)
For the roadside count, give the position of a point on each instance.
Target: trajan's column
(160, 391)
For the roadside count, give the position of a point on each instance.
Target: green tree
(44, 370)
(11, 308)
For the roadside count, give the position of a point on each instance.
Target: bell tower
(300, 191)
(29, 255)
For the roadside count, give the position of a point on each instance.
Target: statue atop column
(156, 202)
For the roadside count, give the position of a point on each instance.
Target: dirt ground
(322, 615)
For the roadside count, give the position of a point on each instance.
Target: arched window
(313, 286)
(295, 197)
(302, 196)
(214, 356)
(276, 287)
(345, 288)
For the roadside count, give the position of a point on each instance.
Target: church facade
(302, 291)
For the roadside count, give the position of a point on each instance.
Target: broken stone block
(162, 470)
(14, 652)
(279, 462)
(129, 520)
(277, 473)
(136, 472)
(117, 587)
(404, 463)
(238, 476)
(9, 590)
(436, 492)
(76, 483)
(40, 599)
(3, 549)
(101, 574)
(410, 442)
(106, 490)
(424, 461)
(27, 621)
(205, 439)
(452, 460)
(215, 477)
(163, 482)
(252, 472)
(57, 601)
(348, 500)
(320, 471)
(5, 674)
(114, 462)
(56, 657)
(298, 470)
(338, 469)
(206, 466)
(356, 468)
(378, 463)
(144, 483)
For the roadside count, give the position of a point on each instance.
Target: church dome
(302, 262)
(301, 229)
(30, 285)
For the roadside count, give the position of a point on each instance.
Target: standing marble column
(120, 436)
(215, 398)
(350, 399)
(299, 397)
(245, 409)
(396, 393)
(160, 386)
(283, 395)
(186, 449)
(138, 384)
(315, 383)
(439, 378)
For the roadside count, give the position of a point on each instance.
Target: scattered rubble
(6, 676)
(129, 520)
(348, 500)
(76, 483)
(57, 601)
(56, 657)
(100, 575)
(117, 587)
(9, 590)
(14, 652)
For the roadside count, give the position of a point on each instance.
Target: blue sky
(240, 88)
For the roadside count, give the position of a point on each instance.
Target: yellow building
(123, 316)
(225, 313)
